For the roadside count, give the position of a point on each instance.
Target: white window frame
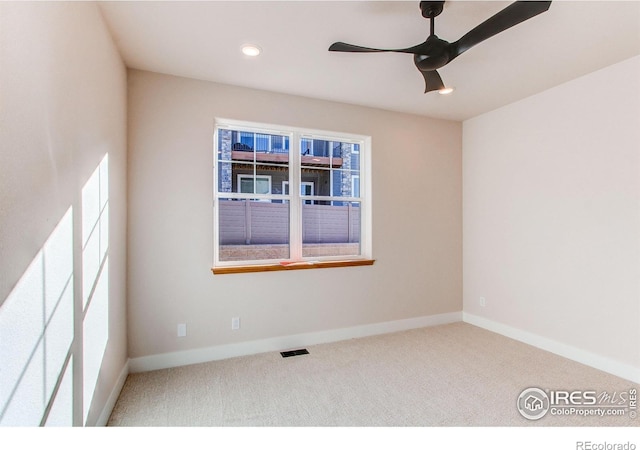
(294, 198)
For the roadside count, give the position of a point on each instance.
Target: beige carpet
(450, 375)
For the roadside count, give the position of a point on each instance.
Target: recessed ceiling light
(445, 91)
(251, 50)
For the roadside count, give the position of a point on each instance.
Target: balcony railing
(245, 153)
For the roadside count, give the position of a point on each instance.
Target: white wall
(551, 188)
(416, 162)
(62, 108)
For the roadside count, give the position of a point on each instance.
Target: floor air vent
(302, 351)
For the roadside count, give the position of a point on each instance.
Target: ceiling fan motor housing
(435, 54)
(431, 9)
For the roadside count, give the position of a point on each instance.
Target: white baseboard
(175, 359)
(622, 370)
(113, 397)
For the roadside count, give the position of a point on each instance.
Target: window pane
(253, 230)
(243, 155)
(262, 143)
(331, 166)
(355, 161)
(280, 144)
(321, 148)
(225, 143)
(306, 146)
(270, 178)
(331, 230)
(244, 138)
(315, 152)
(248, 141)
(318, 178)
(225, 176)
(337, 149)
(355, 185)
(345, 183)
(347, 156)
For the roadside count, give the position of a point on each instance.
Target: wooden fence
(254, 222)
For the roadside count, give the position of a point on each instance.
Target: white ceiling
(202, 40)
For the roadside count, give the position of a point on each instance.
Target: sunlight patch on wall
(95, 277)
(37, 381)
(61, 413)
(36, 322)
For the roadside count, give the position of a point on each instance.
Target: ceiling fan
(435, 53)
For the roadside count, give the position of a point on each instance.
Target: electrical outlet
(235, 323)
(182, 329)
(483, 302)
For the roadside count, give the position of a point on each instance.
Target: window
(249, 184)
(289, 195)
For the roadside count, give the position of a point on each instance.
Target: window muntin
(284, 194)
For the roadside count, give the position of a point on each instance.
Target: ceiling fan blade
(432, 80)
(343, 47)
(512, 15)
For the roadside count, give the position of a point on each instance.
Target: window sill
(292, 266)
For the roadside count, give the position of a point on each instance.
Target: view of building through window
(260, 216)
